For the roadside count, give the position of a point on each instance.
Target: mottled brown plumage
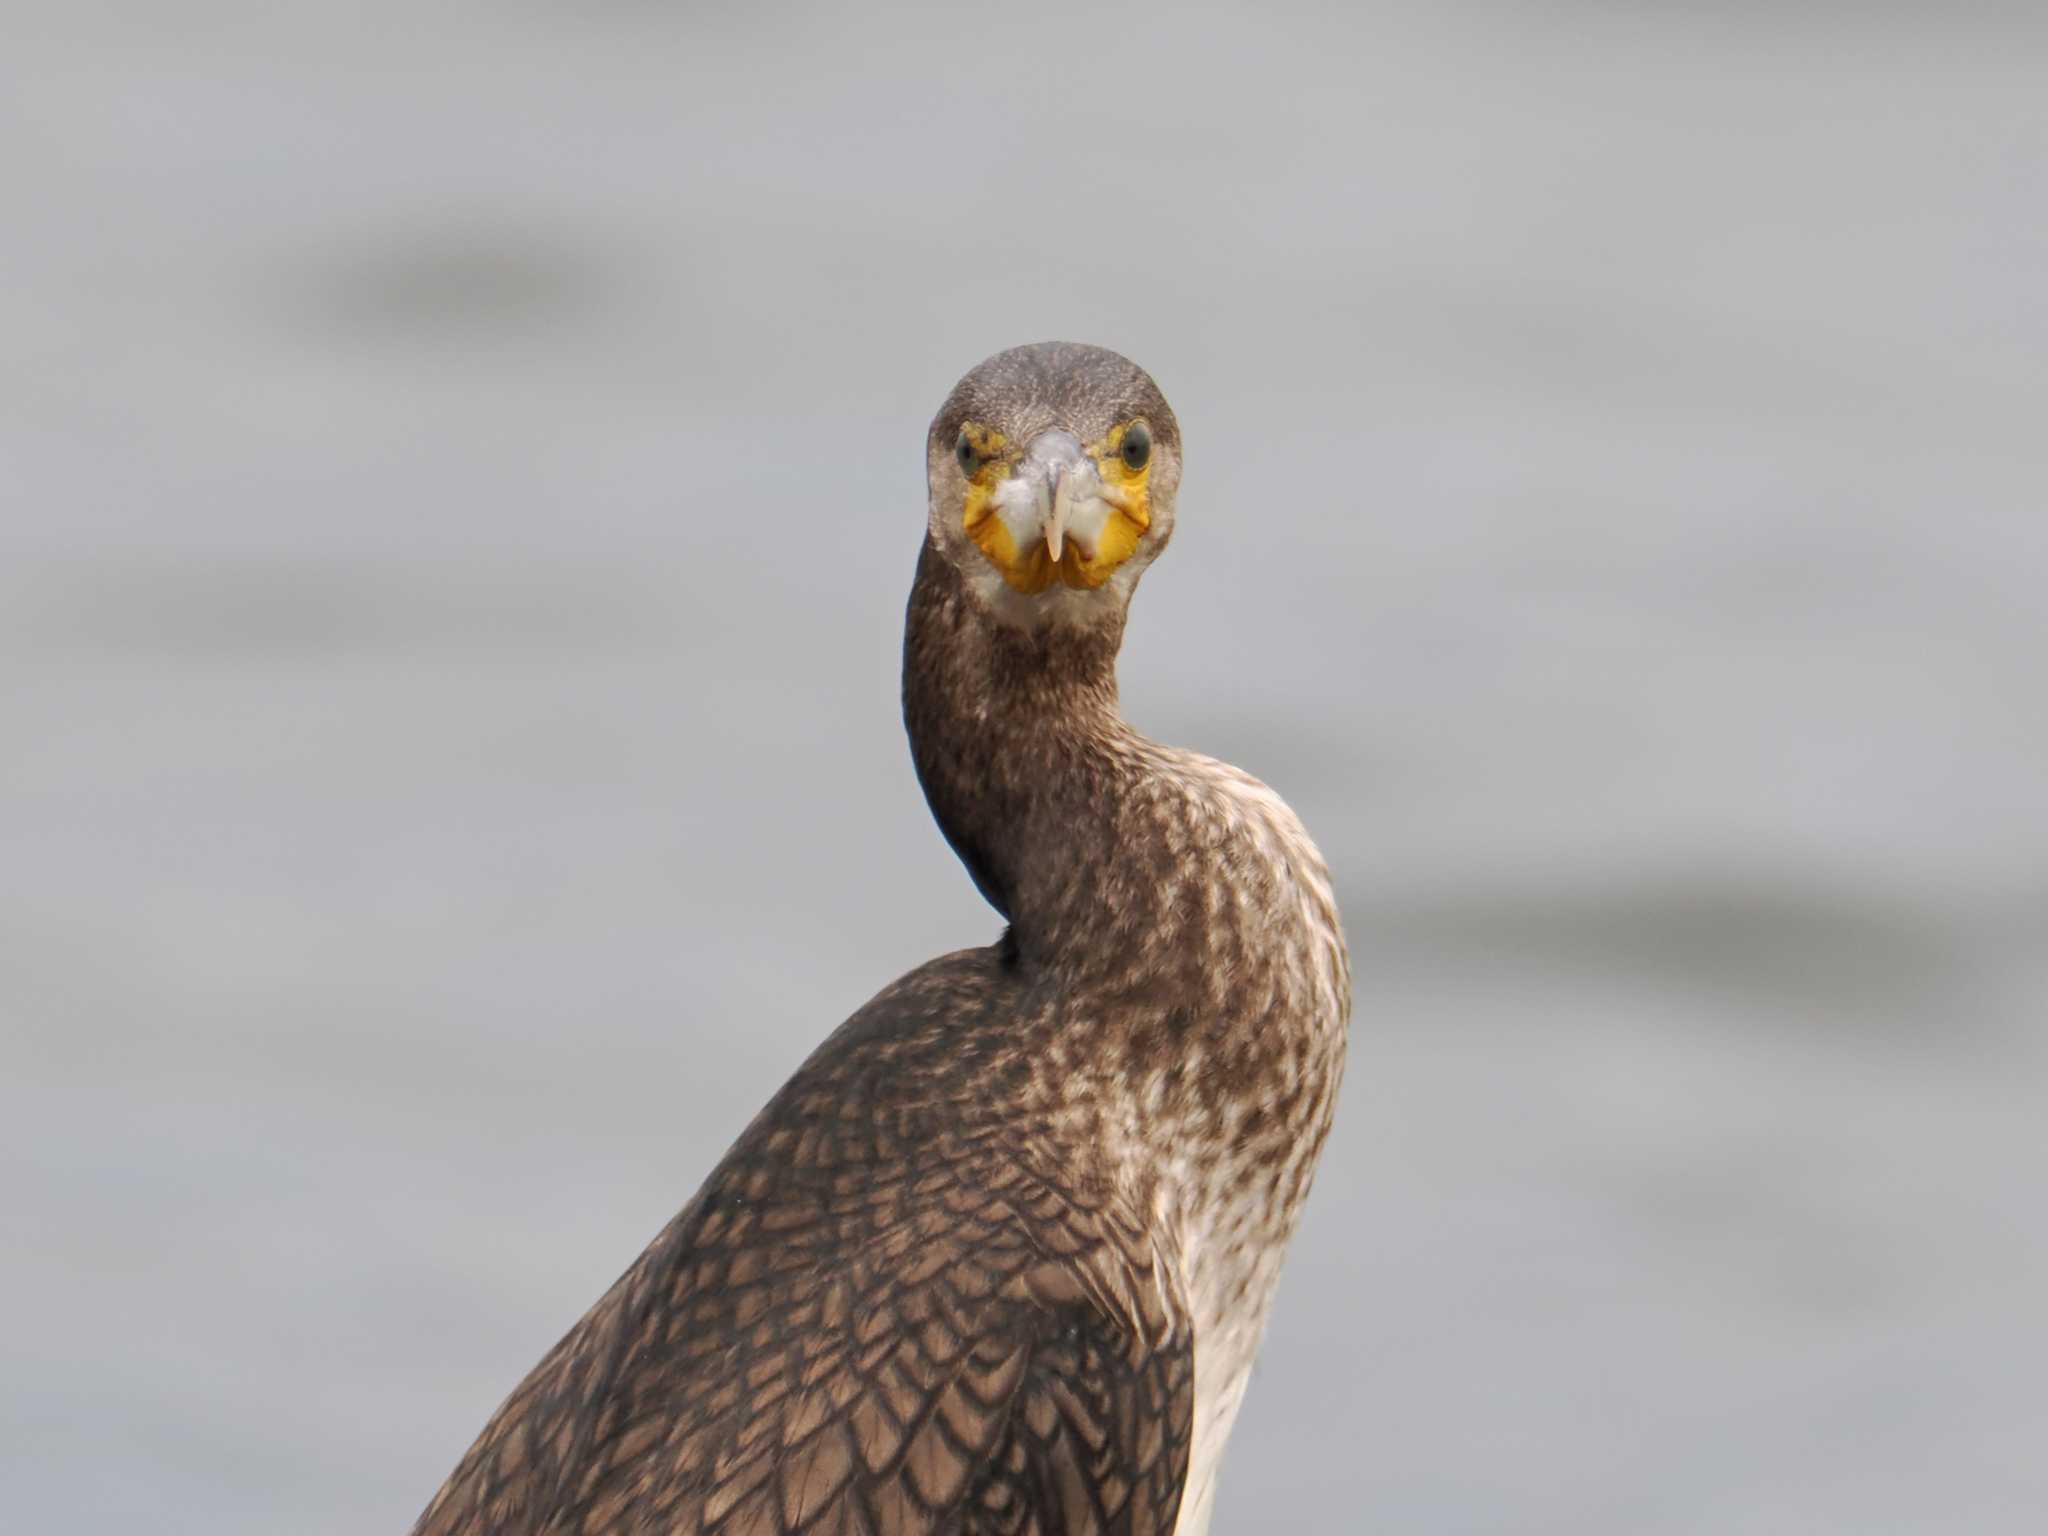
(998, 1257)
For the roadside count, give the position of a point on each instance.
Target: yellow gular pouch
(1124, 491)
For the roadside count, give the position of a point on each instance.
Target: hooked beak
(1052, 466)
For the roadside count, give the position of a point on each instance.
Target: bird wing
(870, 1321)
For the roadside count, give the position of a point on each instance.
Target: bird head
(1052, 471)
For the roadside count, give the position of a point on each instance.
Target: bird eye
(1137, 446)
(970, 461)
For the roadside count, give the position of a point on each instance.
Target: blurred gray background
(460, 470)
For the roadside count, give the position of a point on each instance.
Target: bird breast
(1244, 1109)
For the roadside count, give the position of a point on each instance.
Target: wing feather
(878, 1317)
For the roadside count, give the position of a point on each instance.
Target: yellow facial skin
(1124, 490)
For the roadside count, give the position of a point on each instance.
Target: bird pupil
(1137, 446)
(964, 452)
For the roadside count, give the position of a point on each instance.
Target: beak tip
(1062, 506)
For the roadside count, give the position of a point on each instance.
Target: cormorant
(998, 1257)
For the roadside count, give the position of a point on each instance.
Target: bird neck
(1021, 750)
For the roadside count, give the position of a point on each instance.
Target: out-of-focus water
(460, 470)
